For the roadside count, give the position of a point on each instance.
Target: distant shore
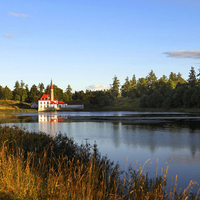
(8, 107)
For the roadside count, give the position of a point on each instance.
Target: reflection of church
(51, 118)
(48, 102)
(48, 123)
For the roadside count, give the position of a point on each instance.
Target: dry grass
(44, 174)
(8, 106)
(19, 179)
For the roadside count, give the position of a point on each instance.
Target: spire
(51, 94)
(51, 84)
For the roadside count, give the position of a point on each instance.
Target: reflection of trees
(116, 135)
(174, 135)
(149, 134)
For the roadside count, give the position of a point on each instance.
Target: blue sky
(85, 43)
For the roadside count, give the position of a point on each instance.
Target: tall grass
(36, 166)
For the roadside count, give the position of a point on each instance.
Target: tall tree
(115, 87)
(142, 87)
(125, 89)
(151, 80)
(180, 79)
(22, 92)
(69, 92)
(7, 93)
(67, 96)
(133, 81)
(16, 95)
(1, 92)
(41, 88)
(192, 77)
(198, 76)
(58, 93)
(33, 95)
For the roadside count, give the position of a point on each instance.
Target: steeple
(51, 94)
(51, 84)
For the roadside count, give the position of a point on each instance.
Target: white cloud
(17, 14)
(184, 54)
(10, 35)
(97, 87)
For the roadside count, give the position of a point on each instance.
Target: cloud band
(17, 14)
(195, 54)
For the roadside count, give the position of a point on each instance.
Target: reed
(36, 166)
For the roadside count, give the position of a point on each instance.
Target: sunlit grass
(9, 106)
(36, 166)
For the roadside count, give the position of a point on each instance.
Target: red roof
(61, 102)
(45, 97)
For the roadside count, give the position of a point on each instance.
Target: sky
(85, 43)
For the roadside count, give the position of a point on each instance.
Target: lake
(136, 135)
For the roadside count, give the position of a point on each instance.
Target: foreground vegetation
(37, 166)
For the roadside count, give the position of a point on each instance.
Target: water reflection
(137, 135)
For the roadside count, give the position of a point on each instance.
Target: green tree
(178, 95)
(180, 79)
(133, 81)
(22, 92)
(125, 89)
(7, 93)
(16, 95)
(34, 94)
(41, 88)
(151, 79)
(1, 92)
(155, 100)
(67, 95)
(172, 80)
(79, 95)
(188, 100)
(69, 92)
(192, 77)
(142, 87)
(115, 87)
(196, 97)
(58, 93)
(163, 86)
(143, 101)
(101, 99)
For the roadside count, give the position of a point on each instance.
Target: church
(47, 102)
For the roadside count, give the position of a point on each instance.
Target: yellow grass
(19, 179)
(8, 106)
(31, 167)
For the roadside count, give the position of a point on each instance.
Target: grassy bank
(37, 166)
(11, 106)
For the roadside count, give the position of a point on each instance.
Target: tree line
(151, 92)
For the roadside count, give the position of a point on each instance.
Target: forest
(150, 92)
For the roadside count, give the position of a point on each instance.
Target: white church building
(48, 102)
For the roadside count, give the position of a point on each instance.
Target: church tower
(51, 94)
